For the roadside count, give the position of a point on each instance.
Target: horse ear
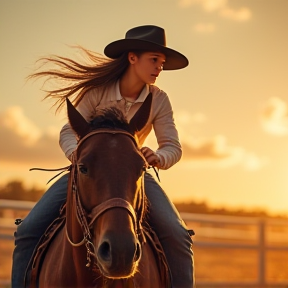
(76, 120)
(141, 117)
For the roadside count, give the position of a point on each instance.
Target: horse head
(107, 176)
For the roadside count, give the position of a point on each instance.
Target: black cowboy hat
(147, 38)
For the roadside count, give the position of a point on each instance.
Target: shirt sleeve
(169, 147)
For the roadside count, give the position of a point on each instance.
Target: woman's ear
(132, 57)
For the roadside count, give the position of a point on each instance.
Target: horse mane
(111, 117)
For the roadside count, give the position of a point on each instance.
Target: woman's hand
(151, 157)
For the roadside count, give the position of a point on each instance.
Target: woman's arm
(169, 148)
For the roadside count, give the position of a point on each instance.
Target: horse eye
(83, 169)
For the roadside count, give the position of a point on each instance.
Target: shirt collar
(117, 95)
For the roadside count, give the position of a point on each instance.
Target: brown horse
(103, 239)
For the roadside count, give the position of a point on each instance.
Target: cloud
(23, 142)
(252, 162)
(204, 27)
(215, 152)
(241, 15)
(14, 119)
(214, 148)
(208, 5)
(221, 7)
(212, 151)
(185, 118)
(213, 5)
(274, 117)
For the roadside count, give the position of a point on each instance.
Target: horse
(102, 238)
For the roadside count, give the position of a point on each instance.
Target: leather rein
(98, 210)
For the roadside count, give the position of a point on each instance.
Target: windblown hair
(79, 78)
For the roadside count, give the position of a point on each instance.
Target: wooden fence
(208, 228)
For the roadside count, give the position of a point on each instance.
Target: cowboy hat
(147, 38)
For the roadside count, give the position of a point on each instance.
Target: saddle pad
(34, 266)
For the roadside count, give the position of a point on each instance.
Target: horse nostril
(137, 252)
(104, 251)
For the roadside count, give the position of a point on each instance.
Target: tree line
(15, 190)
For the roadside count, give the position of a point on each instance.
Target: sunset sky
(230, 103)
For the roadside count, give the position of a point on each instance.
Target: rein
(63, 169)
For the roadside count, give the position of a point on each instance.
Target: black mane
(111, 117)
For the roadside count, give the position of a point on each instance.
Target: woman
(126, 78)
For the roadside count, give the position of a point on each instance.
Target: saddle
(33, 269)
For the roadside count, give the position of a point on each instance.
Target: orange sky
(230, 103)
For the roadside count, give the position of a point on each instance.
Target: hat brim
(174, 59)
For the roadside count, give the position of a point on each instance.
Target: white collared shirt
(160, 119)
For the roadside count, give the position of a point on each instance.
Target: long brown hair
(78, 78)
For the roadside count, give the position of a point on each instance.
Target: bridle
(82, 216)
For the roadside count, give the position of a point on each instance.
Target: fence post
(261, 259)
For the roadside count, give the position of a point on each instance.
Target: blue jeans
(163, 218)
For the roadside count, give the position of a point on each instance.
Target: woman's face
(147, 66)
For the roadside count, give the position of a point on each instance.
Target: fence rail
(260, 245)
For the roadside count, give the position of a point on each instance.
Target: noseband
(83, 216)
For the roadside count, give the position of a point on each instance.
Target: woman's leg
(172, 233)
(34, 225)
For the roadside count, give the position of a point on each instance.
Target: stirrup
(191, 232)
(18, 221)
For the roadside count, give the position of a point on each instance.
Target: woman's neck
(130, 89)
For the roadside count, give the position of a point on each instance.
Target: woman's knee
(162, 214)
(178, 233)
(26, 231)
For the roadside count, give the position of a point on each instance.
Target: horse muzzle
(118, 255)
(118, 249)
